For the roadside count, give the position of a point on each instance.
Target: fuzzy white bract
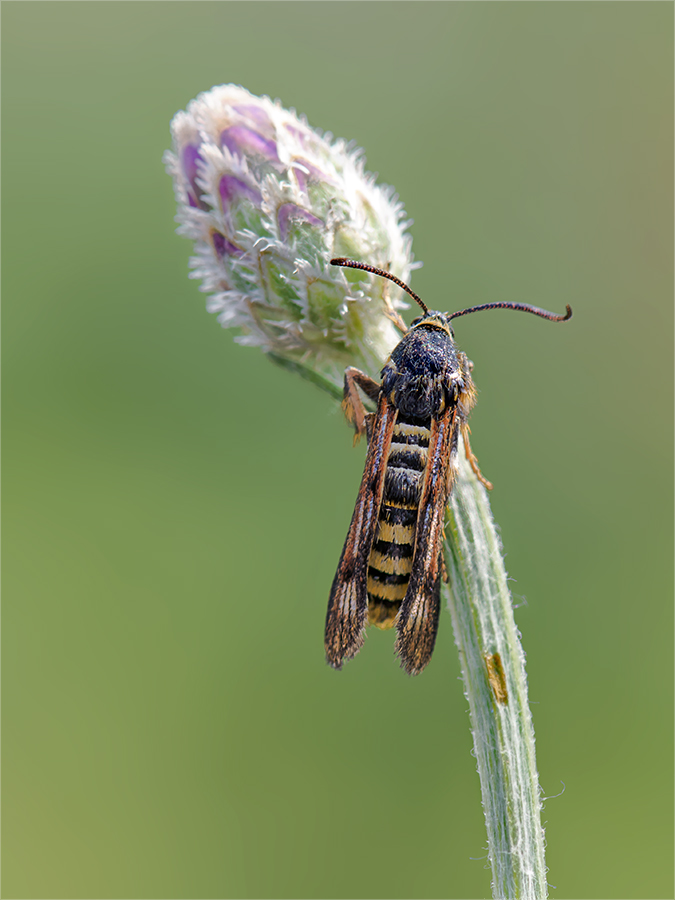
(268, 201)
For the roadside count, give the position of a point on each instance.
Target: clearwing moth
(391, 566)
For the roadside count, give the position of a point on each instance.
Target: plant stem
(493, 668)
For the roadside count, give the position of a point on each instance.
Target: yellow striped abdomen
(391, 556)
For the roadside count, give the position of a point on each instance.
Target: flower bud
(268, 202)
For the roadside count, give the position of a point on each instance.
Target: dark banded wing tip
(417, 627)
(344, 638)
(345, 621)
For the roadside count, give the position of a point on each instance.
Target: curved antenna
(522, 307)
(352, 264)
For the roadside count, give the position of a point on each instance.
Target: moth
(392, 564)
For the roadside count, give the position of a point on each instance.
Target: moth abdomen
(390, 561)
(403, 456)
(403, 485)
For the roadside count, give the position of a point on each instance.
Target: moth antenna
(353, 264)
(522, 307)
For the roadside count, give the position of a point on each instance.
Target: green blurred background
(174, 506)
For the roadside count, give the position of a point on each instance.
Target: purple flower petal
(312, 174)
(189, 157)
(255, 114)
(289, 212)
(223, 247)
(232, 188)
(241, 140)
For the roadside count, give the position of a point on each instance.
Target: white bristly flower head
(268, 201)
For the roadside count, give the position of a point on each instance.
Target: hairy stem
(493, 668)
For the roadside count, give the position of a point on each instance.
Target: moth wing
(348, 603)
(417, 620)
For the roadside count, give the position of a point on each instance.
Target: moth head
(434, 319)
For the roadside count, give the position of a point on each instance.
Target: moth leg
(352, 403)
(396, 318)
(473, 462)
